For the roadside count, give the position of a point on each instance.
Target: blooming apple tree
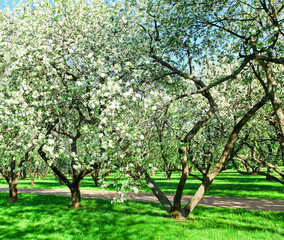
(72, 69)
(211, 49)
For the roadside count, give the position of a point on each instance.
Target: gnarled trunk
(13, 191)
(12, 179)
(76, 197)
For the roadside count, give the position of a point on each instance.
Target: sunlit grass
(50, 217)
(228, 183)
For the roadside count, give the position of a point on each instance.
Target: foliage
(132, 86)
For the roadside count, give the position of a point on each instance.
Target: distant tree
(16, 140)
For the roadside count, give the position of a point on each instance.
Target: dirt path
(211, 201)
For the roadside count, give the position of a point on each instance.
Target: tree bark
(32, 178)
(158, 193)
(13, 190)
(95, 176)
(76, 197)
(12, 179)
(176, 211)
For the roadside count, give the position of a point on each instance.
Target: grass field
(228, 183)
(49, 217)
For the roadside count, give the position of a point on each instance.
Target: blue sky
(9, 2)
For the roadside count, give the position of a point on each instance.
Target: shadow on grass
(229, 189)
(228, 183)
(249, 188)
(49, 217)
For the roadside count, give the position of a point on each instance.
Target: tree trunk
(197, 197)
(13, 191)
(176, 211)
(23, 174)
(38, 173)
(32, 178)
(76, 197)
(158, 193)
(273, 97)
(169, 174)
(95, 176)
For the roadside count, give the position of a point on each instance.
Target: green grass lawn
(228, 183)
(50, 217)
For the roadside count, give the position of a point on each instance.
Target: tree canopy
(132, 86)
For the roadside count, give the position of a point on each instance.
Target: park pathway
(211, 201)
